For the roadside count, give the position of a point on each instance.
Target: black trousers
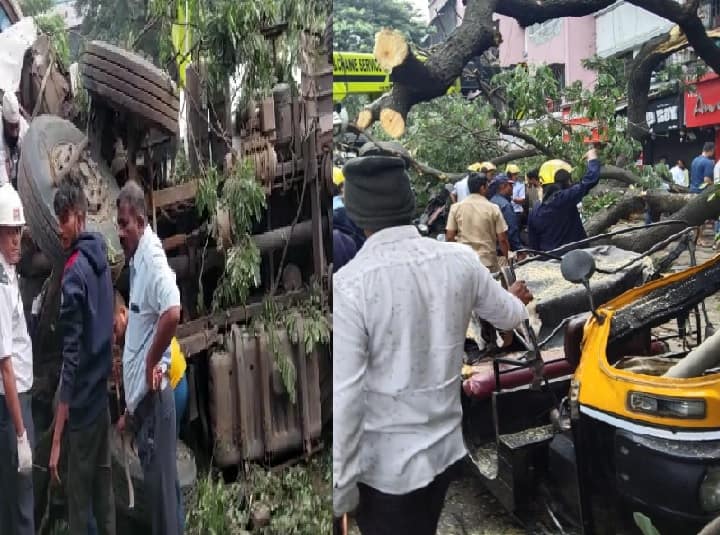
(415, 513)
(89, 482)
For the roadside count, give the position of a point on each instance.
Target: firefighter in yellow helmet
(555, 221)
(460, 189)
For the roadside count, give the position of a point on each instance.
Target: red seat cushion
(481, 384)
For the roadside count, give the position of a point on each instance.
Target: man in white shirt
(154, 313)
(401, 309)
(681, 176)
(461, 191)
(17, 434)
(14, 128)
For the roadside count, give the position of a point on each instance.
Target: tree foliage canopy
(229, 36)
(30, 8)
(357, 21)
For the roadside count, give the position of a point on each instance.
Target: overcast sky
(422, 7)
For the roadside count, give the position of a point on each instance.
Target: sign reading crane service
(702, 106)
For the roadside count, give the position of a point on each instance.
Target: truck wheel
(132, 83)
(43, 149)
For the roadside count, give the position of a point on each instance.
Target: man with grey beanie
(401, 308)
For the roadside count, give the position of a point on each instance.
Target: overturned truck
(241, 407)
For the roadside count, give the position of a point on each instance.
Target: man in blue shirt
(556, 221)
(502, 196)
(701, 169)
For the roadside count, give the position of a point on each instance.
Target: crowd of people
(401, 307)
(94, 324)
(508, 214)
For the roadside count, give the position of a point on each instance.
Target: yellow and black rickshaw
(618, 422)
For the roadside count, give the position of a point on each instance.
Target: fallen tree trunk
(612, 172)
(659, 203)
(699, 209)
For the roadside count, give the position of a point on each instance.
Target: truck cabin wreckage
(240, 409)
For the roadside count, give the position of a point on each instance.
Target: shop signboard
(577, 122)
(664, 114)
(702, 104)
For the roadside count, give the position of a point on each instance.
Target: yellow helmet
(549, 168)
(512, 169)
(477, 166)
(338, 177)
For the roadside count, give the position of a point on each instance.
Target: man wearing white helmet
(14, 127)
(16, 369)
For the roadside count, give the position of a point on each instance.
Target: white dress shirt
(153, 291)
(461, 189)
(680, 176)
(401, 309)
(518, 193)
(14, 339)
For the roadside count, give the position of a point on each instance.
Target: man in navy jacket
(501, 196)
(556, 221)
(86, 323)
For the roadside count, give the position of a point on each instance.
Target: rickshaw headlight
(666, 406)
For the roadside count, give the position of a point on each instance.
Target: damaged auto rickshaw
(619, 421)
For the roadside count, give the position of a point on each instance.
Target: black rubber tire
(161, 93)
(35, 181)
(141, 95)
(132, 104)
(131, 83)
(129, 61)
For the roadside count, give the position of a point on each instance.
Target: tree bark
(613, 172)
(515, 155)
(686, 17)
(529, 12)
(390, 148)
(699, 209)
(639, 75)
(661, 203)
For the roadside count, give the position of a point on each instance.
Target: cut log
(391, 49)
(367, 117)
(392, 122)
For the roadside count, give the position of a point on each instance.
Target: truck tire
(132, 83)
(36, 185)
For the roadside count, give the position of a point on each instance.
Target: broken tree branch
(612, 172)
(529, 12)
(690, 23)
(515, 155)
(699, 209)
(659, 203)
